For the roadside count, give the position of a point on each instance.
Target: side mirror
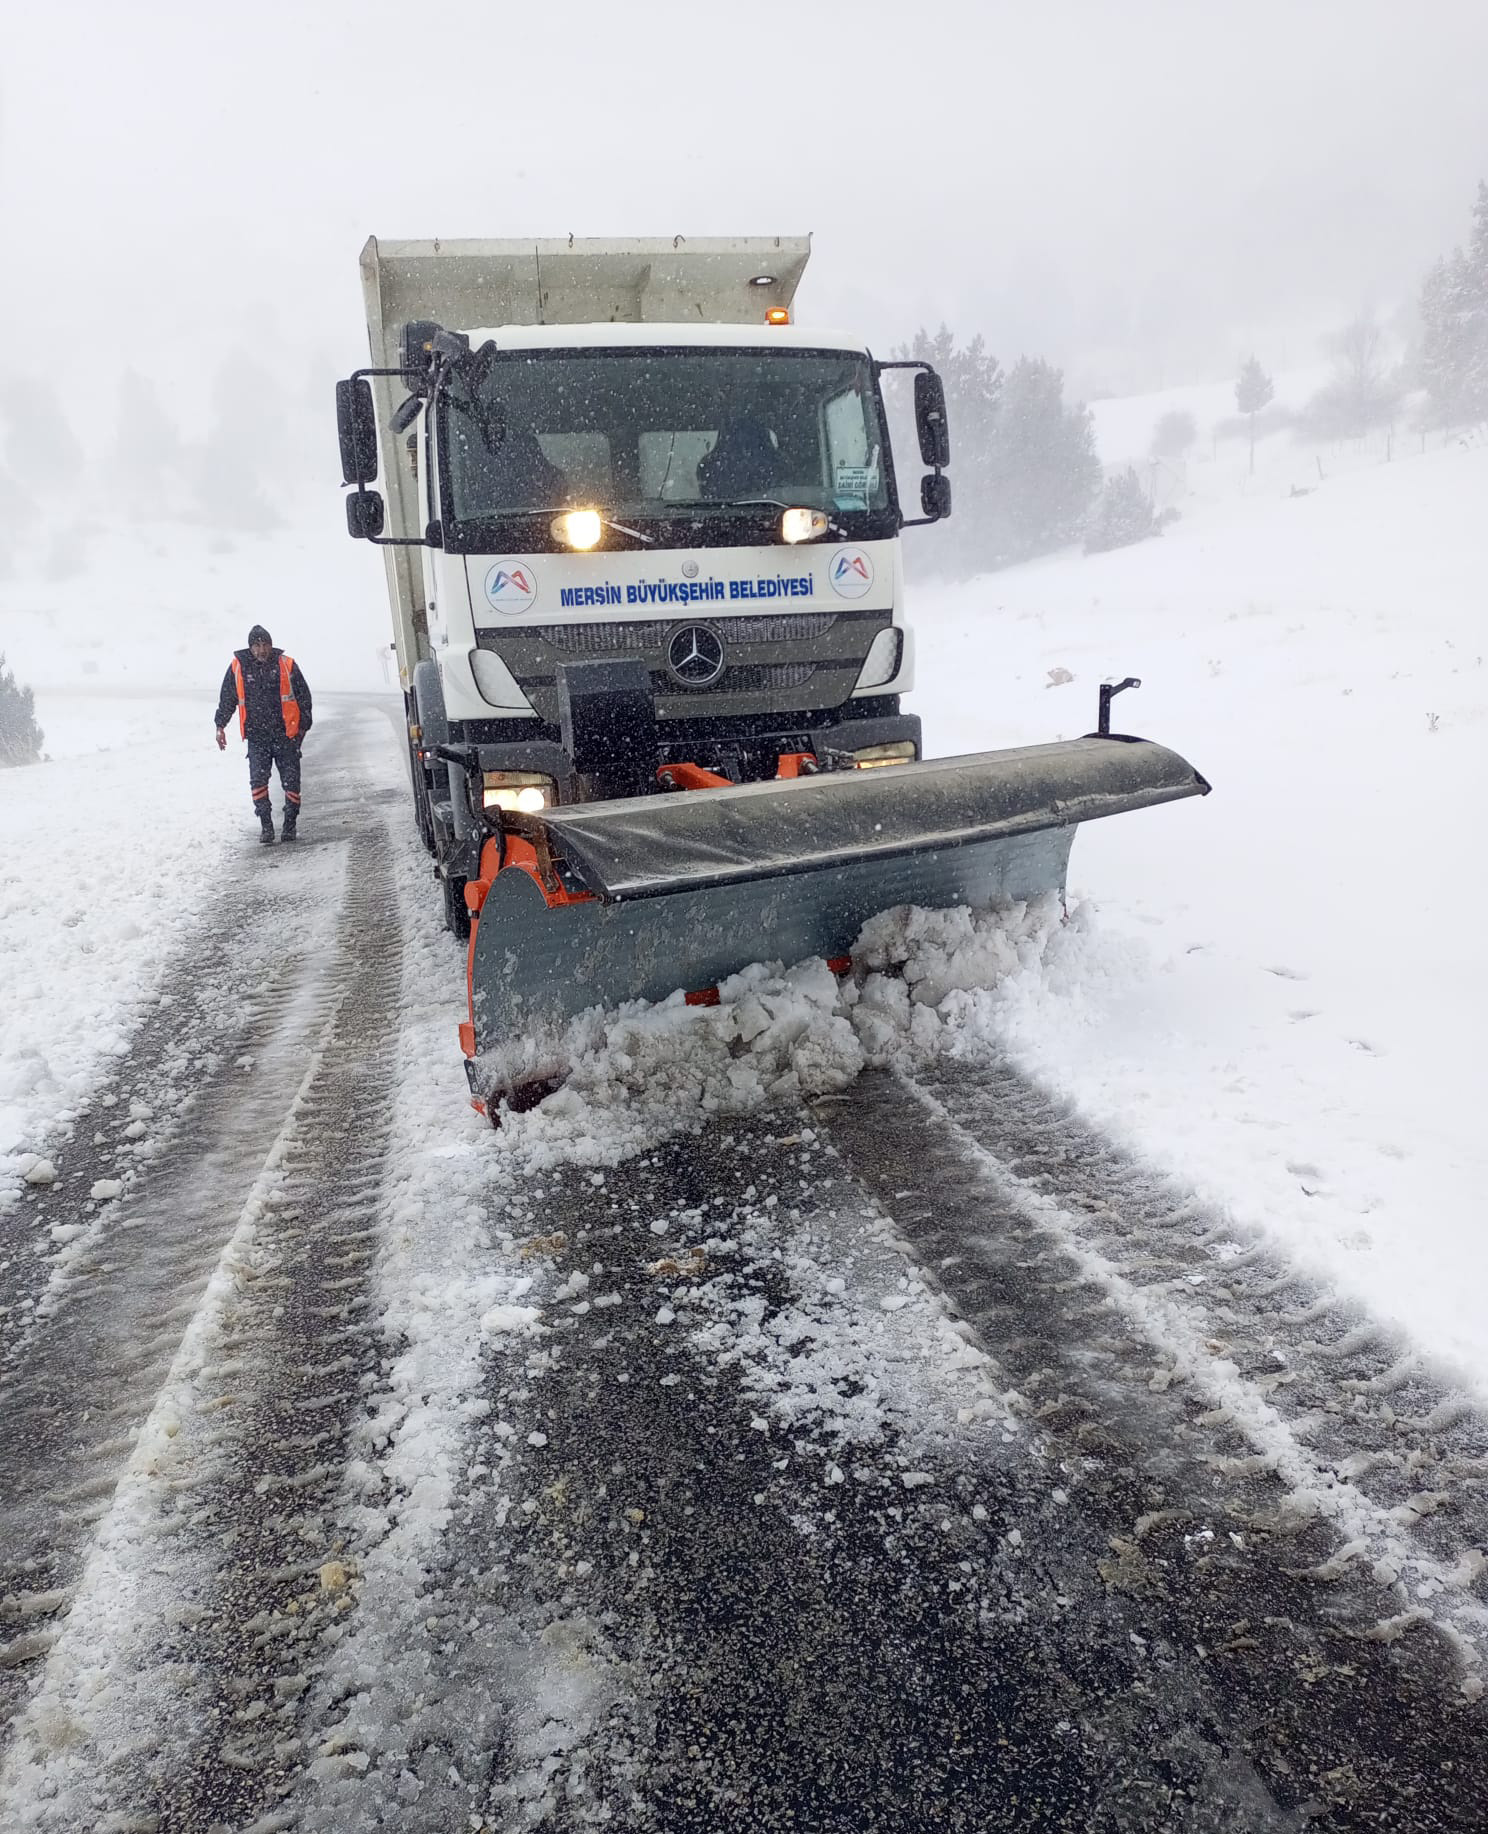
(364, 515)
(935, 495)
(930, 418)
(356, 423)
(404, 415)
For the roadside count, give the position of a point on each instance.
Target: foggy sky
(1139, 191)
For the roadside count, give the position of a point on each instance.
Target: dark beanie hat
(258, 635)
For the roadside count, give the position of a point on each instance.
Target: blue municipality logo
(511, 587)
(851, 573)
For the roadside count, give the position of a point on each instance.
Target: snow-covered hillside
(122, 608)
(1279, 990)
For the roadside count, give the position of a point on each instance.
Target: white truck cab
(627, 496)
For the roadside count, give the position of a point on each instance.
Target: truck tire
(422, 814)
(456, 912)
(426, 711)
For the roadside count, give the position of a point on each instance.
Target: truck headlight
(802, 525)
(578, 528)
(874, 757)
(521, 792)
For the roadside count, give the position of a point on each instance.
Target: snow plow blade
(636, 899)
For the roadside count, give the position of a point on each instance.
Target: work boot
(287, 833)
(266, 830)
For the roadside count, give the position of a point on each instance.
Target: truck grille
(776, 664)
(650, 633)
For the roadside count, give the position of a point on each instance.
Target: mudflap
(685, 890)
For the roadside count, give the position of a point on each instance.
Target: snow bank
(109, 864)
(1276, 993)
(128, 609)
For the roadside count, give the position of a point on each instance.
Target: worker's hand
(221, 739)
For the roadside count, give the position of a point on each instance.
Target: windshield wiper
(741, 503)
(565, 509)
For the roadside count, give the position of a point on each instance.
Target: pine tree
(1253, 391)
(20, 736)
(248, 440)
(1440, 363)
(1044, 471)
(1174, 433)
(1471, 305)
(1454, 325)
(1361, 392)
(1125, 515)
(973, 384)
(148, 457)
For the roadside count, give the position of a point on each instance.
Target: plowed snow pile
(641, 1074)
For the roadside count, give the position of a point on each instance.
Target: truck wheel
(456, 913)
(422, 813)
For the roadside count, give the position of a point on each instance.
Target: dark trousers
(263, 755)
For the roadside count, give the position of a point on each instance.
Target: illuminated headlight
(874, 757)
(802, 525)
(578, 528)
(881, 664)
(521, 792)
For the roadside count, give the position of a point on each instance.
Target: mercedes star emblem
(694, 655)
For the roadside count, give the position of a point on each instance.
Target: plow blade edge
(686, 889)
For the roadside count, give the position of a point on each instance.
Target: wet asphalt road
(1104, 1622)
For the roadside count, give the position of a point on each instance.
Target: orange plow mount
(599, 903)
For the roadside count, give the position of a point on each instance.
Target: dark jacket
(261, 690)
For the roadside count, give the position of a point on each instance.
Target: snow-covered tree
(1044, 472)
(1022, 461)
(1174, 433)
(20, 736)
(249, 439)
(1253, 391)
(1124, 516)
(1473, 305)
(39, 445)
(1361, 392)
(973, 384)
(148, 459)
(1454, 326)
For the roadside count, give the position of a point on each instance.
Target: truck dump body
(569, 281)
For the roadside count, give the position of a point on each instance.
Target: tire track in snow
(305, 1348)
(1333, 1684)
(158, 1488)
(80, 1380)
(1337, 1404)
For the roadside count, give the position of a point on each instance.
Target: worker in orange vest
(272, 698)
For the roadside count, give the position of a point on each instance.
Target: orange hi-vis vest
(289, 706)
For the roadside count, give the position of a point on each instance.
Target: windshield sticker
(851, 573)
(854, 484)
(511, 587)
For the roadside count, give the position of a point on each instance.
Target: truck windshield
(676, 433)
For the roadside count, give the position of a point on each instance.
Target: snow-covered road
(759, 1445)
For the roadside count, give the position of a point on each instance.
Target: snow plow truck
(641, 533)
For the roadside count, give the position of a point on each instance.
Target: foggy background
(1141, 194)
